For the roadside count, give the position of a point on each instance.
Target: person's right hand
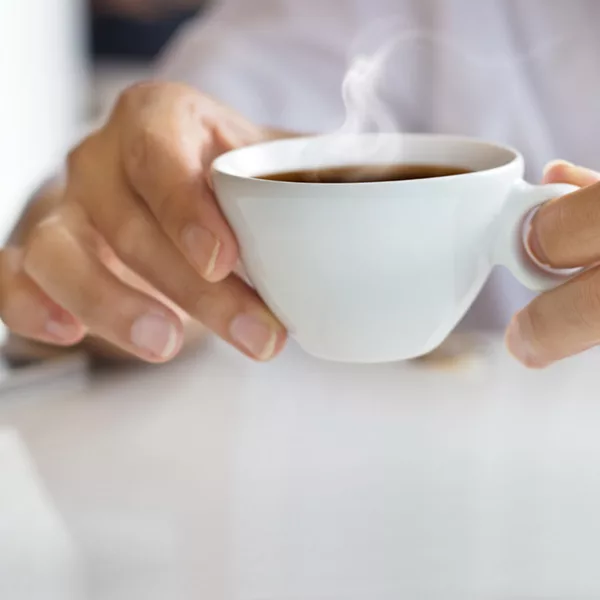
(135, 241)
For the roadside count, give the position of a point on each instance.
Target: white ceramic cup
(376, 272)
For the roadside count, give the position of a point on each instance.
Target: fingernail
(156, 335)
(203, 247)
(254, 335)
(534, 247)
(520, 347)
(557, 163)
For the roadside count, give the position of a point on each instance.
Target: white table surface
(218, 478)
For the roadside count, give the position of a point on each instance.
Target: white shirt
(522, 72)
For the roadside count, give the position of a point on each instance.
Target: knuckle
(146, 99)
(142, 93)
(137, 120)
(140, 152)
(130, 239)
(50, 240)
(154, 168)
(164, 129)
(36, 254)
(83, 160)
(43, 237)
(135, 96)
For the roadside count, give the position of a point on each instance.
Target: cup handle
(511, 250)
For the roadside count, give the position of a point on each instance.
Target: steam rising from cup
(382, 60)
(367, 110)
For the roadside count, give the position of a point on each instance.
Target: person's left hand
(565, 233)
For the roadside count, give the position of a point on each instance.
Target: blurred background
(62, 63)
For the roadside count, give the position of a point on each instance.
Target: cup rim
(219, 165)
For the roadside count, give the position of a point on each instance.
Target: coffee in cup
(367, 173)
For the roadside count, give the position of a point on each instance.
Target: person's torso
(518, 72)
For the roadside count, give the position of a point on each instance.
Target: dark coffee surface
(367, 173)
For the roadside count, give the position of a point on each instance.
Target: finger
(61, 259)
(235, 312)
(28, 312)
(167, 150)
(564, 232)
(561, 171)
(559, 323)
(230, 308)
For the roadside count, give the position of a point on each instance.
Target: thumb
(562, 171)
